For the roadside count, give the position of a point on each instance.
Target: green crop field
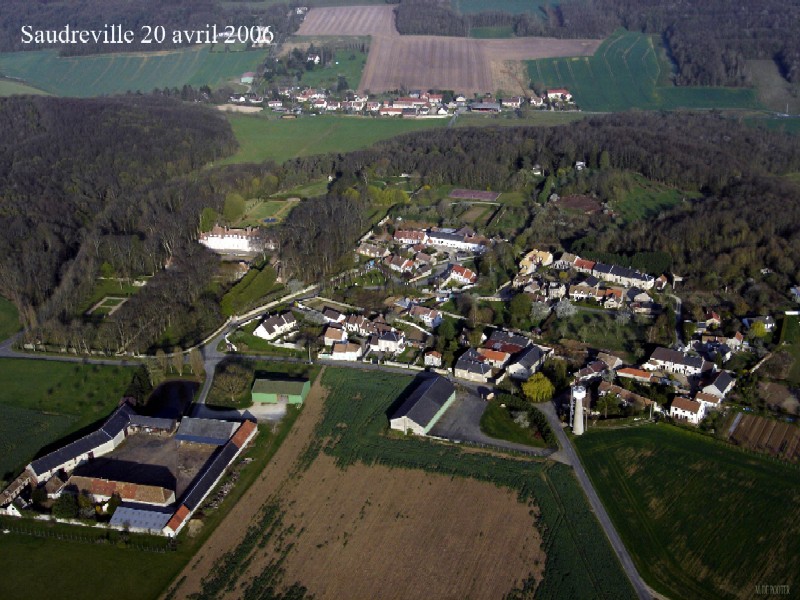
(15, 88)
(580, 562)
(625, 73)
(42, 402)
(701, 519)
(261, 138)
(9, 319)
(118, 73)
(346, 63)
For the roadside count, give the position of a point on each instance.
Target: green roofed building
(272, 391)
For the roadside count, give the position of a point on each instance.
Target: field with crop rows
(700, 518)
(578, 555)
(624, 73)
(95, 75)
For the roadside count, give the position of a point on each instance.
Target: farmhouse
(101, 490)
(225, 239)
(623, 276)
(272, 391)
(410, 236)
(276, 326)
(527, 363)
(687, 410)
(372, 251)
(423, 408)
(472, 367)
(677, 362)
(462, 275)
(559, 94)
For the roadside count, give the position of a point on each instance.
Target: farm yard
(261, 138)
(700, 518)
(626, 72)
(85, 76)
(342, 447)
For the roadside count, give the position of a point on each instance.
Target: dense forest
(709, 42)
(115, 187)
(171, 14)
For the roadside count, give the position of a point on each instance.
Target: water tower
(578, 395)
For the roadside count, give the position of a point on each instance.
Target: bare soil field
(395, 533)
(464, 65)
(584, 204)
(773, 437)
(349, 20)
(231, 531)
(239, 108)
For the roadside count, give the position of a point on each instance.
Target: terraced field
(86, 76)
(625, 73)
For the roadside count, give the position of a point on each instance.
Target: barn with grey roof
(424, 407)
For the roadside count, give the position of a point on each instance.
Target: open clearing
(15, 88)
(625, 73)
(399, 517)
(261, 138)
(85, 76)
(700, 518)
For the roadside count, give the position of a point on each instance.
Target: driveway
(461, 423)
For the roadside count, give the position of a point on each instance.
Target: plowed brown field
(432, 62)
(349, 20)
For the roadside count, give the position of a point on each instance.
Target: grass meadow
(515, 7)
(15, 88)
(86, 76)
(701, 518)
(261, 138)
(9, 319)
(626, 72)
(42, 402)
(346, 63)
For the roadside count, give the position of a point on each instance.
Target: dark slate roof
(723, 381)
(206, 480)
(116, 422)
(678, 358)
(426, 400)
(472, 362)
(141, 518)
(602, 268)
(441, 235)
(505, 337)
(529, 357)
(205, 431)
(391, 336)
(592, 281)
(152, 422)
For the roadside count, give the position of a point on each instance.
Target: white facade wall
(227, 242)
(405, 424)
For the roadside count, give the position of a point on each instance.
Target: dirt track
(433, 62)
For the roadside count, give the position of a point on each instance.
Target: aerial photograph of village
(399, 299)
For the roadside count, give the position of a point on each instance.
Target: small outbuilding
(424, 407)
(272, 391)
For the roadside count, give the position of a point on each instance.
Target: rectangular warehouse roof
(205, 431)
(426, 400)
(140, 518)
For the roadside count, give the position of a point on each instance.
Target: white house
(721, 385)
(347, 351)
(559, 94)
(677, 362)
(430, 317)
(462, 275)
(472, 367)
(433, 358)
(276, 326)
(708, 401)
(687, 410)
(527, 363)
(334, 335)
(391, 342)
(333, 316)
(410, 236)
